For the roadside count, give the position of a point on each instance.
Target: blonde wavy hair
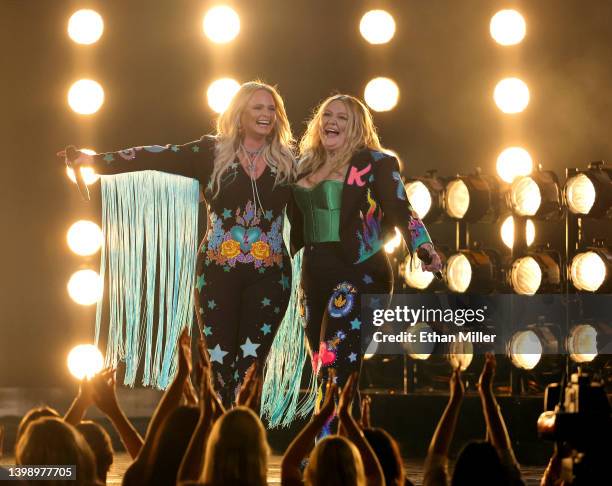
(335, 460)
(237, 450)
(278, 153)
(360, 133)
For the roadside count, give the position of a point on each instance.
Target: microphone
(425, 257)
(72, 154)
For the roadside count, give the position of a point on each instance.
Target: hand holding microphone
(75, 159)
(431, 260)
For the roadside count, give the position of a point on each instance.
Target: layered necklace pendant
(251, 157)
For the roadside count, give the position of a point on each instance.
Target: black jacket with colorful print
(374, 201)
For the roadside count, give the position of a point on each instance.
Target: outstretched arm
(350, 428)
(435, 472)
(171, 398)
(80, 404)
(300, 447)
(193, 159)
(497, 431)
(105, 398)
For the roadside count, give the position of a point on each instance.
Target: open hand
(485, 383)
(103, 391)
(347, 396)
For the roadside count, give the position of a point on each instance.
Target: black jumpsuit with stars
(243, 274)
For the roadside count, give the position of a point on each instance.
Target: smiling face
(259, 116)
(333, 125)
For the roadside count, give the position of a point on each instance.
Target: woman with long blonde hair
(243, 271)
(237, 450)
(349, 195)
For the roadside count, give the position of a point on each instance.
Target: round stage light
(507, 232)
(84, 238)
(511, 95)
(417, 349)
(394, 243)
(582, 343)
(457, 199)
(508, 27)
(220, 93)
(85, 26)
(458, 273)
(525, 196)
(377, 26)
(221, 24)
(381, 94)
(88, 173)
(419, 197)
(460, 355)
(525, 276)
(85, 97)
(414, 276)
(85, 361)
(85, 287)
(514, 162)
(580, 194)
(525, 349)
(588, 271)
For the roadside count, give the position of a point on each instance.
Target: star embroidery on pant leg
(195, 148)
(207, 330)
(227, 213)
(284, 281)
(212, 304)
(268, 215)
(355, 324)
(277, 310)
(374, 303)
(249, 348)
(217, 354)
(352, 357)
(262, 269)
(367, 279)
(266, 329)
(200, 282)
(226, 268)
(174, 148)
(109, 157)
(265, 302)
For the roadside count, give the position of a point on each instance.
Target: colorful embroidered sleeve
(397, 210)
(188, 160)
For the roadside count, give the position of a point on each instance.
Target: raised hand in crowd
(349, 427)
(81, 403)
(301, 446)
(250, 391)
(104, 395)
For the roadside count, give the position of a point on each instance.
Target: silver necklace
(251, 156)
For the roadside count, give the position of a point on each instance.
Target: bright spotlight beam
(85, 97)
(85, 26)
(220, 93)
(508, 27)
(377, 26)
(221, 24)
(381, 94)
(511, 95)
(85, 361)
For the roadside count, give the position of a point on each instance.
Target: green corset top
(320, 206)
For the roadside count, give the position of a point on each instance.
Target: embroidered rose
(230, 248)
(260, 250)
